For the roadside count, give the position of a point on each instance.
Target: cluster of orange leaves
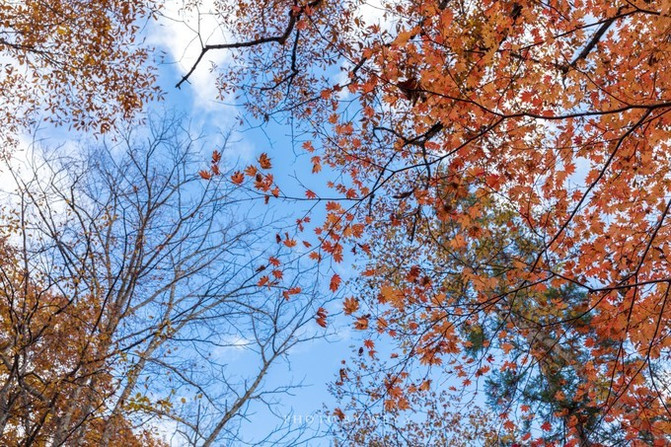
(74, 62)
(556, 116)
(47, 359)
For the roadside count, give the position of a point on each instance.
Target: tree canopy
(73, 62)
(125, 286)
(500, 167)
(509, 162)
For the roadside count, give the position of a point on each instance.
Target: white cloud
(182, 32)
(27, 164)
(372, 12)
(165, 429)
(231, 343)
(12, 162)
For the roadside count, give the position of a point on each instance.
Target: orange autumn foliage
(517, 152)
(51, 369)
(73, 62)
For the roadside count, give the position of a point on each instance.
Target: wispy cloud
(181, 33)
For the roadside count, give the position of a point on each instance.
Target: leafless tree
(161, 267)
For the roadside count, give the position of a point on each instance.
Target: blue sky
(312, 364)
